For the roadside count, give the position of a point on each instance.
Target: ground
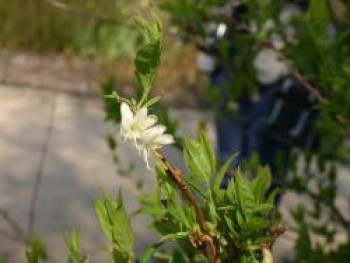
(77, 165)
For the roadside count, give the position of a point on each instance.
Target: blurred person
(280, 119)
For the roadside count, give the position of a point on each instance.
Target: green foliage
(74, 253)
(238, 217)
(223, 170)
(318, 18)
(198, 156)
(91, 28)
(116, 226)
(36, 251)
(250, 208)
(111, 104)
(148, 57)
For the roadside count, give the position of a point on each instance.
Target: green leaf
(240, 218)
(74, 253)
(231, 227)
(220, 175)
(261, 183)
(191, 217)
(174, 236)
(318, 17)
(245, 195)
(115, 223)
(179, 256)
(151, 101)
(111, 104)
(195, 186)
(246, 257)
(257, 224)
(148, 254)
(209, 150)
(303, 245)
(272, 196)
(212, 212)
(144, 83)
(150, 31)
(231, 194)
(220, 197)
(122, 232)
(197, 160)
(263, 209)
(103, 218)
(150, 251)
(122, 257)
(156, 212)
(36, 250)
(177, 212)
(148, 58)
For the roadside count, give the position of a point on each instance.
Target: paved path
(77, 166)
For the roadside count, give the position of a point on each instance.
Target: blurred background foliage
(77, 26)
(100, 30)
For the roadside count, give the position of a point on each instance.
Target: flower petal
(149, 121)
(165, 139)
(152, 133)
(157, 130)
(140, 115)
(127, 115)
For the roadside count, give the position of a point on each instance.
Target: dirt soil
(81, 76)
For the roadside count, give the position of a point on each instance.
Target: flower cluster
(142, 130)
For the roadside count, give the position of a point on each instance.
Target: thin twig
(176, 176)
(40, 168)
(274, 234)
(17, 229)
(295, 72)
(306, 84)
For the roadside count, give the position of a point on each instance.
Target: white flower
(133, 125)
(140, 128)
(153, 139)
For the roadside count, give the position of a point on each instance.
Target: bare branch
(17, 229)
(40, 168)
(176, 176)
